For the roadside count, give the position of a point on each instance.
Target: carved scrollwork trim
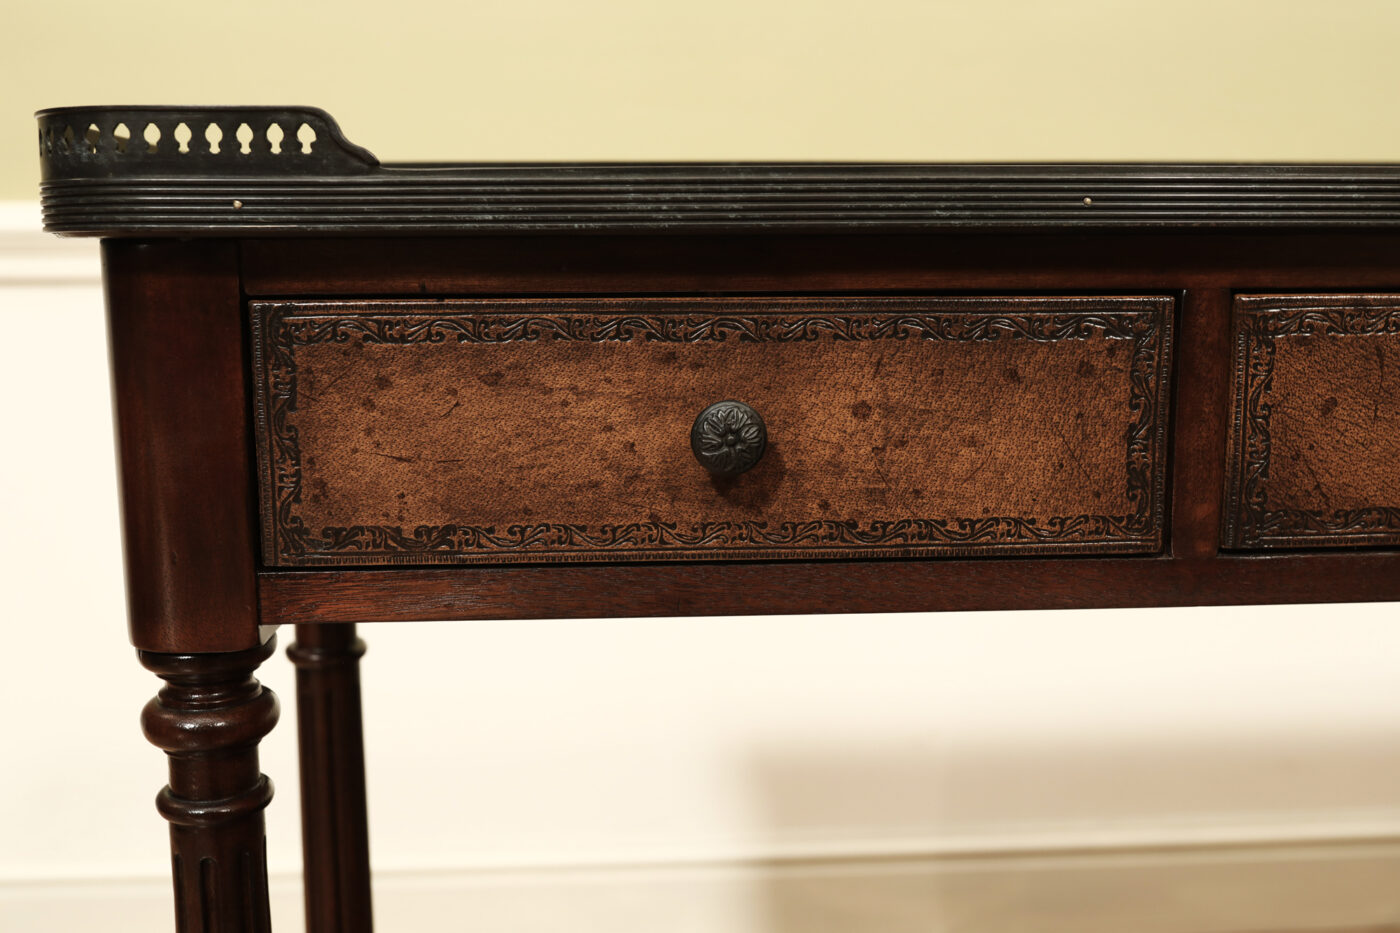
(279, 328)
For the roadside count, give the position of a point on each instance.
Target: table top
(247, 171)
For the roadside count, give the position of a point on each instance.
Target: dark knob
(728, 438)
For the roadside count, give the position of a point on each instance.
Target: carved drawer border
(1259, 320)
(279, 327)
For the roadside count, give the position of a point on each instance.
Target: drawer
(546, 430)
(1314, 458)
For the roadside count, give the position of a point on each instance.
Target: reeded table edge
(234, 178)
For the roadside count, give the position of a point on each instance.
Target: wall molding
(29, 256)
(1310, 886)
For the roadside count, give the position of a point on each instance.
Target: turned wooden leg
(209, 719)
(334, 830)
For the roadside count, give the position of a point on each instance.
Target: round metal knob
(728, 438)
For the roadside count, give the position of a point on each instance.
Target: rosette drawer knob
(728, 438)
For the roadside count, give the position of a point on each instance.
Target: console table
(352, 392)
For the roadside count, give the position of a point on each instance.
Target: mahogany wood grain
(209, 719)
(404, 595)
(1202, 384)
(334, 826)
(993, 263)
(180, 391)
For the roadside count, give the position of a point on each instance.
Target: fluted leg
(209, 719)
(335, 837)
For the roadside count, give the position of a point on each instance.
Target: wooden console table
(350, 392)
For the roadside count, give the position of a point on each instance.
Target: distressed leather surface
(1336, 422)
(594, 434)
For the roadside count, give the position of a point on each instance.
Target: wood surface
(1062, 262)
(330, 742)
(180, 388)
(208, 719)
(404, 595)
(547, 430)
(1315, 446)
(1202, 387)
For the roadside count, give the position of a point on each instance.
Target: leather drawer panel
(1314, 458)
(544, 430)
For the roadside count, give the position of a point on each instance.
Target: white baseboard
(1216, 889)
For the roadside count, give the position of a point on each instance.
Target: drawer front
(545, 430)
(1314, 456)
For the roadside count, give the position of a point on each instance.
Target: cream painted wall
(1231, 769)
(642, 79)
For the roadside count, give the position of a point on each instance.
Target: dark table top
(102, 177)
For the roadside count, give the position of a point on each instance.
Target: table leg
(335, 835)
(209, 718)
